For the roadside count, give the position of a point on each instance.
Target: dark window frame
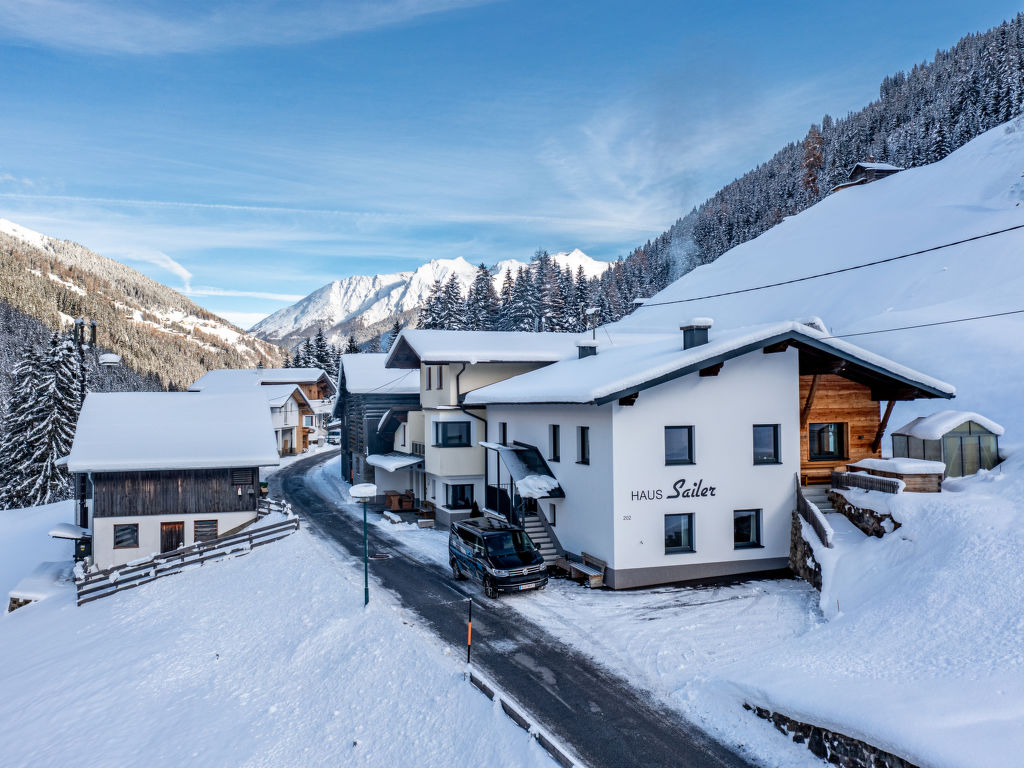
(682, 548)
(776, 444)
(554, 442)
(841, 438)
(135, 527)
(583, 444)
(440, 378)
(689, 446)
(503, 432)
(466, 503)
(441, 427)
(430, 377)
(205, 537)
(757, 543)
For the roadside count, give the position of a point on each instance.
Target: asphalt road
(608, 722)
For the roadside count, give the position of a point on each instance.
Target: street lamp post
(365, 492)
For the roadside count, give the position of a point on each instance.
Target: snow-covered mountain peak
(24, 234)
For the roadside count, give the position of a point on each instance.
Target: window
(307, 421)
(503, 432)
(678, 533)
(582, 445)
(459, 496)
(826, 442)
(241, 477)
(554, 442)
(746, 528)
(126, 536)
(440, 385)
(451, 434)
(679, 445)
(552, 514)
(429, 372)
(204, 530)
(766, 444)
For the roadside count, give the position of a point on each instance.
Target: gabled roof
(238, 379)
(364, 373)
(622, 368)
(277, 394)
(938, 424)
(872, 166)
(138, 431)
(413, 347)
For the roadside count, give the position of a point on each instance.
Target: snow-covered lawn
(264, 660)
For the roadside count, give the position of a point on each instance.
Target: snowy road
(607, 721)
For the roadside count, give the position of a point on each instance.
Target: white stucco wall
(106, 556)
(445, 462)
(754, 389)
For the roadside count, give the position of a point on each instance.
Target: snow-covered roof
(900, 466)
(365, 373)
(935, 426)
(430, 346)
(390, 462)
(44, 581)
(278, 394)
(629, 365)
(876, 167)
(69, 531)
(239, 378)
(137, 431)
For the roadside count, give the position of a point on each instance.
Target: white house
(676, 457)
(160, 470)
(444, 430)
(300, 400)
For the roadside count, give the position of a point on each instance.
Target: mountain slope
(976, 190)
(155, 329)
(365, 300)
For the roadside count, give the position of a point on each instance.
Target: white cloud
(137, 27)
(244, 320)
(210, 291)
(162, 260)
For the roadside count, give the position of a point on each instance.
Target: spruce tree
(395, 330)
(14, 443)
(351, 348)
(452, 308)
(431, 308)
(504, 322)
(321, 352)
(482, 306)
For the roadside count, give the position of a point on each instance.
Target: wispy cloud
(139, 28)
(210, 291)
(244, 320)
(159, 259)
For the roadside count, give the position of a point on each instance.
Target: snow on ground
(668, 640)
(25, 541)
(263, 660)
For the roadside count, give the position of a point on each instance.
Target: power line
(926, 325)
(836, 271)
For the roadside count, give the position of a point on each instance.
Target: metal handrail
(813, 517)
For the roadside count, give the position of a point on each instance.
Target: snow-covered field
(264, 660)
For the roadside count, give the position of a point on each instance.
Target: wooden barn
(866, 172)
(156, 471)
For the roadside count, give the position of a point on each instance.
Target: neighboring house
(367, 392)
(300, 400)
(675, 457)
(963, 440)
(866, 172)
(160, 470)
(447, 433)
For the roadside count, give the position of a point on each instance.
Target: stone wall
(836, 748)
(872, 523)
(801, 556)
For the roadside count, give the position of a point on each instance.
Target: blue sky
(249, 152)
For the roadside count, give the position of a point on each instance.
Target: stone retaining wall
(872, 523)
(801, 556)
(837, 748)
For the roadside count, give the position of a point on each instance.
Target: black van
(497, 553)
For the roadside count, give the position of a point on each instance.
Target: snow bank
(902, 466)
(277, 664)
(25, 540)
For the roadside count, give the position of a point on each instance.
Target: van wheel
(456, 571)
(489, 589)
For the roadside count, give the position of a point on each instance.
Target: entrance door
(172, 536)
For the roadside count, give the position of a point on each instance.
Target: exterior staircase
(818, 496)
(542, 537)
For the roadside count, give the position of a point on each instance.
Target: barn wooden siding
(175, 492)
(837, 399)
(359, 415)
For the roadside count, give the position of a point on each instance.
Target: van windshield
(508, 543)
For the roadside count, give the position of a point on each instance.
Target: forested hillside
(920, 117)
(156, 330)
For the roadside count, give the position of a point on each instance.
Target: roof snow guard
(625, 369)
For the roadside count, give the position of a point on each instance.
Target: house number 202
(627, 517)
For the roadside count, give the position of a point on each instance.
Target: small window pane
(555, 438)
(746, 528)
(933, 450)
(954, 463)
(826, 442)
(972, 454)
(766, 443)
(126, 536)
(679, 445)
(452, 433)
(989, 451)
(899, 446)
(205, 530)
(583, 445)
(460, 496)
(678, 533)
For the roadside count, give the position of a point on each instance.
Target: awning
(529, 471)
(391, 462)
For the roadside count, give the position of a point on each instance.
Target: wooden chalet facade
(157, 471)
(866, 172)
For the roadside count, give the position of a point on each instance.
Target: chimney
(586, 348)
(695, 332)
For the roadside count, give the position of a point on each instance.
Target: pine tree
(14, 443)
(522, 313)
(482, 305)
(352, 348)
(287, 363)
(396, 329)
(813, 160)
(452, 307)
(431, 308)
(321, 352)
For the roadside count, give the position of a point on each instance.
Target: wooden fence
(99, 584)
(866, 482)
